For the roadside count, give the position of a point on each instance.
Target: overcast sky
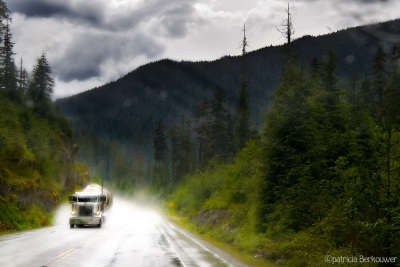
(92, 42)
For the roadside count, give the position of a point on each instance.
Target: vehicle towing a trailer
(89, 206)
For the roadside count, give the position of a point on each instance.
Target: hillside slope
(128, 108)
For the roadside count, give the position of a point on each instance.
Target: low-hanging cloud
(90, 55)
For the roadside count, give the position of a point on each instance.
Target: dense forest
(321, 179)
(287, 156)
(120, 118)
(289, 153)
(37, 155)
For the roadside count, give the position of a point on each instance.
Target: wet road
(130, 237)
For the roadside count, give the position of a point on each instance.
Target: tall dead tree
(242, 119)
(286, 28)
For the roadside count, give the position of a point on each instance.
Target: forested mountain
(320, 185)
(124, 112)
(127, 109)
(316, 179)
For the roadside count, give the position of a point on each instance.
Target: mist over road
(131, 236)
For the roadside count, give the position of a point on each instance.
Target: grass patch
(245, 257)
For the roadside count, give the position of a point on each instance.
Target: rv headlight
(73, 212)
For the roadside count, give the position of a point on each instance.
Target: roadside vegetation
(321, 179)
(36, 151)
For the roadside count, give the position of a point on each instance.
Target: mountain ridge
(127, 109)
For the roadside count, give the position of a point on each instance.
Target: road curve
(131, 236)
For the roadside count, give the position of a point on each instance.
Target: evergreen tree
(160, 144)
(329, 80)
(317, 158)
(315, 68)
(4, 14)
(287, 139)
(173, 136)
(204, 123)
(42, 83)
(161, 167)
(22, 79)
(185, 152)
(214, 129)
(41, 87)
(366, 97)
(378, 84)
(222, 126)
(242, 119)
(387, 91)
(7, 66)
(182, 158)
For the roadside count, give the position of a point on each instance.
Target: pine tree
(242, 119)
(315, 68)
(204, 123)
(173, 136)
(182, 158)
(378, 84)
(287, 139)
(161, 175)
(214, 129)
(41, 86)
(186, 159)
(4, 13)
(7, 66)
(221, 128)
(160, 144)
(366, 97)
(329, 80)
(22, 79)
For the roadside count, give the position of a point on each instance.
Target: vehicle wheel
(71, 226)
(99, 225)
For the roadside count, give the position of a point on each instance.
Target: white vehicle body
(89, 206)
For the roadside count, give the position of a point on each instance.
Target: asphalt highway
(131, 236)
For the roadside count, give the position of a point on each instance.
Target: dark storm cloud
(57, 9)
(35, 8)
(114, 32)
(90, 55)
(175, 16)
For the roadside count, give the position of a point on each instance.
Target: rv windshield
(87, 199)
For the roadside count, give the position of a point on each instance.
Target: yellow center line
(91, 240)
(70, 251)
(62, 256)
